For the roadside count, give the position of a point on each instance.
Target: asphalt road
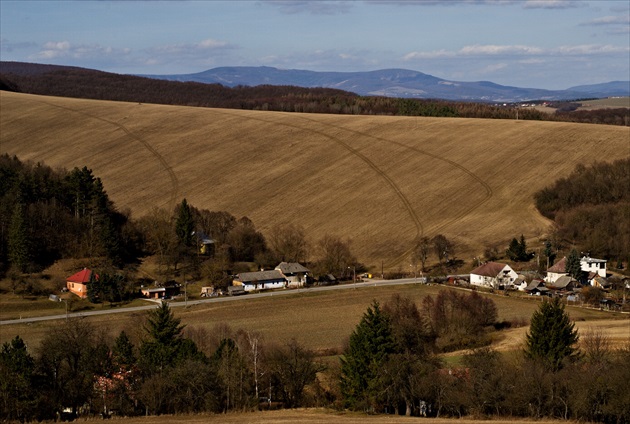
(242, 298)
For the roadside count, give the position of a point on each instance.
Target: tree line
(391, 365)
(92, 84)
(47, 215)
(590, 208)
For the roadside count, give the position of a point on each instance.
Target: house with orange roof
(77, 283)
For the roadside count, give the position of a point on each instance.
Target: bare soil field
(311, 416)
(379, 181)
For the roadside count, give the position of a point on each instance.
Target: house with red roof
(77, 283)
(493, 275)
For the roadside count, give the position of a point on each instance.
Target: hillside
(379, 181)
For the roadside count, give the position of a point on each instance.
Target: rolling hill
(395, 83)
(380, 181)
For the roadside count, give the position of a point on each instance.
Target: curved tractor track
(406, 203)
(143, 142)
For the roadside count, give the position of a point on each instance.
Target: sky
(552, 44)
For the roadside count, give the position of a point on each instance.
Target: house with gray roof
(295, 273)
(260, 280)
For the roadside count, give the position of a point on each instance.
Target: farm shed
(77, 283)
(493, 275)
(260, 280)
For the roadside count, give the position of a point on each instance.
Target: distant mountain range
(396, 83)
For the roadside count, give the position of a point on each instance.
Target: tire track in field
(145, 144)
(488, 190)
(382, 174)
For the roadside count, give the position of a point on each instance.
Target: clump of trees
(164, 372)
(590, 208)
(46, 215)
(381, 372)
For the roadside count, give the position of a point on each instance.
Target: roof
(82, 276)
(246, 277)
(291, 268)
(534, 284)
(590, 260)
(559, 267)
(561, 282)
(489, 269)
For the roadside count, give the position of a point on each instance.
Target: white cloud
(490, 50)
(66, 50)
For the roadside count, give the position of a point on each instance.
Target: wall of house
(597, 267)
(77, 288)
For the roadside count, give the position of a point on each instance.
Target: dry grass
(309, 416)
(380, 181)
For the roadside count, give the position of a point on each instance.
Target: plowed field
(379, 181)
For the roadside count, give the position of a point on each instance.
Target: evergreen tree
(370, 345)
(19, 242)
(16, 391)
(552, 337)
(573, 267)
(165, 345)
(123, 351)
(184, 226)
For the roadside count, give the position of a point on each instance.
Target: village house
(77, 283)
(161, 292)
(592, 265)
(494, 275)
(556, 271)
(563, 285)
(295, 274)
(260, 280)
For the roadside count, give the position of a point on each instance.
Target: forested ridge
(91, 84)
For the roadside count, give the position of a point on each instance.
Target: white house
(596, 266)
(260, 280)
(294, 273)
(494, 275)
(556, 271)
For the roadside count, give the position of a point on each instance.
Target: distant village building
(494, 275)
(295, 273)
(260, 280)
(592, 265)
(78, 283)
(559, 269)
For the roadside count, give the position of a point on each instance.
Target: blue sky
(552, 44)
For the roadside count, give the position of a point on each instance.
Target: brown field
(609, 103)
(379, 181)
(311, 416)
(323, 321)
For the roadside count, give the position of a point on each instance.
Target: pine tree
(184, 225)
(16, 389)
(123, 351)
(573, 267)
(165, 345)
(19, 242)
(370, 344)
(552, 337)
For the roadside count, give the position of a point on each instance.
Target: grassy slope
(380, 181)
